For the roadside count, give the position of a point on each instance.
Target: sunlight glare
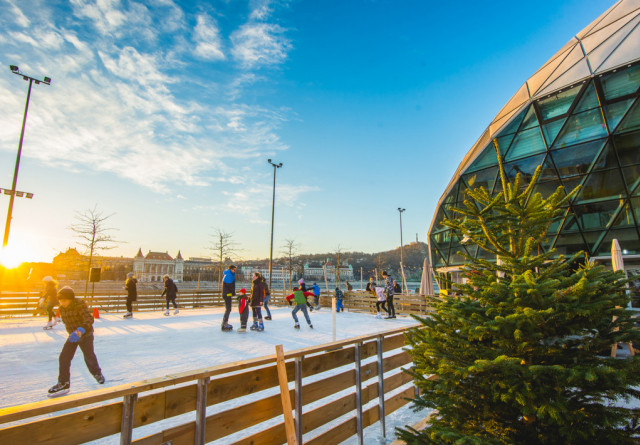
(11, 256)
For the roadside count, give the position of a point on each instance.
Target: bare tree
(379, 266)
(224, 247)
(91, 228)
(290, 249)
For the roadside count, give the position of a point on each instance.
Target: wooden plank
(289, 426)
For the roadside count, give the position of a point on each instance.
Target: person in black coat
(132, 293)
(171, 291)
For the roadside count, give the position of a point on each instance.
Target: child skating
(379, 293)
(78, 321)
(243, 309)
(300, 298)
(339, 297)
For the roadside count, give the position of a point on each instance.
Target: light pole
(273, 207)
(400, 210)
(46, 81)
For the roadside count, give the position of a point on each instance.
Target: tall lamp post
(273, 207)
(400, 210)
(46, 81)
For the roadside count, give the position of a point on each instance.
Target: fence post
(201, 410)
(298, 399)
(381, 387)
(126, 422)
(284, 396)
(358, 393)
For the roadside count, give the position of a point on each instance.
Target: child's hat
(243, 291)
(66, 293)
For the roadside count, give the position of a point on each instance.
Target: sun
(10, 257)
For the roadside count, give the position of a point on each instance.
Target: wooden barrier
(318, 401)
(23, 305)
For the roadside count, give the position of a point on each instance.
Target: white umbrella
(426, 283)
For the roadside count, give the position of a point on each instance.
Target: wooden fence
(21, 305)
(332, 385)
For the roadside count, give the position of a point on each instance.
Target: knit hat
(66, 293)
(130, 275)
(47, 279)
(243, 291)
(301, 280)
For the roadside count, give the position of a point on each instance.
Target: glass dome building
(579, 117)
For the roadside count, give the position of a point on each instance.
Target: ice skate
(99, 378)
(166, 312)
(268, 317)
(128, 315)
(176, 312)
(254, 326)
(227, 327)
(378, 316)
(310, 326)
(242, 329)
(48, 326)
(297, 325)
(59, 389)
(260, 327)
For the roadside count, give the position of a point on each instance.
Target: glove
(289, 302)
(75, 335)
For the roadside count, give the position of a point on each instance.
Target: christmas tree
(519, 353)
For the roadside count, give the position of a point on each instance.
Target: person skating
(339, 297)
(316, 295)
(257, 297)
(78, 321)
(171, 291)
(228, 292)
(370, 284)
(389, 291)
(131, 285)
(243, 309)
(379, 293)
(300, 298)
(267, 297)
(50, 300)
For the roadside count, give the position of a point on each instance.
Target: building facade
(154, 265)
(578, 117)
(317, 272)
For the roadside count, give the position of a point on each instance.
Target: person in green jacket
(300, 298)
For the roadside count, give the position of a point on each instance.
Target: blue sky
(164, 113)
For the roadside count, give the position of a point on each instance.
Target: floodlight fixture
(273, 206)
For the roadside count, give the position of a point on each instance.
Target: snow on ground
(152, 345)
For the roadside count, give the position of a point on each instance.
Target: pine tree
(519, 354)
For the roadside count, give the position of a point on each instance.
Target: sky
(163, 113)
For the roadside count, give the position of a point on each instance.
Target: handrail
(18, 412)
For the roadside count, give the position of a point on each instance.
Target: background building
(579, 117)
(155, 265)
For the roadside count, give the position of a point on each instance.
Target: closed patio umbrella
(426, 283)
(617, 263)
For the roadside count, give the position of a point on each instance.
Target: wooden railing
(363, 369)
(21, 305)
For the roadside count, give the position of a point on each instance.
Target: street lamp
(273, 206)
(12, 195)
(400, 210)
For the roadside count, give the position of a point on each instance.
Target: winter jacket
(229, 276)
(316, 290)
(257, 292)
(77, 315)
(132, 289)
(389, 286)
(397, 288)
(339, 294)
(299, 297)
(380, 294)
(51, 294)
(266, 287)
(170, 289)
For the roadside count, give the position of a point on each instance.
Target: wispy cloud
(259, 44)
(207, 38)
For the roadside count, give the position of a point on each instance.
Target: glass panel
(597, 215)
(589, 100)
(621, 83)
(568, 243)
(455, 255)
(452, 197)
(473, 250)
(437, 226)
(571, 183)
(602, 185)
(631, 176)
(635, 204)
(551, 130)
(485, 255)
(632, 120)
(486, 159)
(627, 147)
(607, 159)
(530, 120)
(582, 127)
(636, 192)
(547, 189)
(576, 160)
(614, 112)
(571, 224)
(548, 172)
(441, 240)
(627, 238)
(526, 143)
(526, 167)
(514, 124)
(624, 218)
(594, 238)
(484, 178)
(557, 104)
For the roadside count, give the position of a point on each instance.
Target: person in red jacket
(78, 321)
